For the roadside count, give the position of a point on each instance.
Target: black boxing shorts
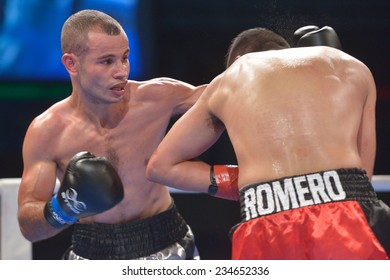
(165, 236)
(326, 215)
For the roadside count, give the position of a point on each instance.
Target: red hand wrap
(224, 181)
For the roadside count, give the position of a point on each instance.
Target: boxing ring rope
(13, 246)
(381, 183)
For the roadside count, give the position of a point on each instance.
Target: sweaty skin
(107, 115)
(287, 112)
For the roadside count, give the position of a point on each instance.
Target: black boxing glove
(313, 36)
(302, 31)
(91, 185)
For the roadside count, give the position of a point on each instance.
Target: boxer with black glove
(90, 186)
(224, 182)
(312, 35)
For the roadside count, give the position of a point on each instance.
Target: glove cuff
(55, 215)
(223, 180)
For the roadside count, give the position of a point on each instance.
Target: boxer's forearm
(187, 175)
(219, 180)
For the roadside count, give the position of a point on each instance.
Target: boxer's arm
(186, 95)
(173, 162)
(178, 95)
(37, 184)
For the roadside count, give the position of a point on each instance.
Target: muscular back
(296, 111)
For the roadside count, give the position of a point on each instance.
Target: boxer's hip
(134, 240)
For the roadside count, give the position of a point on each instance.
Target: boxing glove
(224, 182)
(313, 36)
(302, 31)
(91, 185)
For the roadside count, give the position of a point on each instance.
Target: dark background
(188, 40)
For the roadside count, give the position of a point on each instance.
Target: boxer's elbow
(27, 234)
(155, 170)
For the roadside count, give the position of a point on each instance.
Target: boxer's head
(254, 40)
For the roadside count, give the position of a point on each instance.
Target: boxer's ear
(70, 61)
